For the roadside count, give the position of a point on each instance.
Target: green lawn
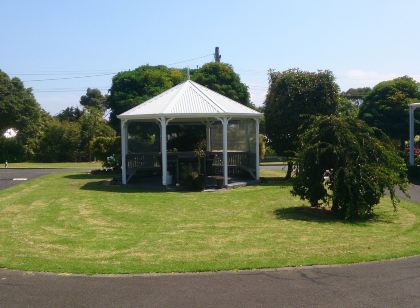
(55, 165)
(270, 173)
(78, 223)
(272, 163)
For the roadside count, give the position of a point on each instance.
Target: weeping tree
(344, 159)
(293, 96)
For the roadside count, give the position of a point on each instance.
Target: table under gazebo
(229, 130)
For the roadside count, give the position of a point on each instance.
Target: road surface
(378, 284)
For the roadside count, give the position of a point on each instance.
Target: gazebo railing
(239, 163)
(143, 160)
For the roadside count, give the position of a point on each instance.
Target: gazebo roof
(189, 100)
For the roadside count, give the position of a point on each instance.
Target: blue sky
(362, 42)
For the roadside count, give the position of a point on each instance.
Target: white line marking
(20, 179)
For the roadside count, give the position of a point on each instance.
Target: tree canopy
(92, 125)
(359, 161)
(19, 109)
(93, 99)
(60, 142)
(357, 95)
(221, 77)
(293, 97)
(131, 88)
(386, 107)
(347, 108)
(71, 114)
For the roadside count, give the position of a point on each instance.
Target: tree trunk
(289, 169)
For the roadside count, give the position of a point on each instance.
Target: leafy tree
(71, 114)
(104, 147)
(131, 88)
(94, 99)
(293, 96)
(347, 108)
(357, 95)
(92, 125)
(19, 110)
(221, 77)
(60, 142)
(361, 162)
(386, 107)
(11, 150)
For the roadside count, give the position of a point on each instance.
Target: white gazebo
(412, 108)
(232, 130)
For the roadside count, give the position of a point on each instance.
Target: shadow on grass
(276, 181)
(103, 182)
(88, 176)
(107, 186)
(306, 213)
(322, 215)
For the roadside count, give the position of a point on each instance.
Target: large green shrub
(11, 150)
(60, 142)
(104, 147)
(361, 162)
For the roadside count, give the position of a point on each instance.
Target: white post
(247, 144)
(411, 155)
(164, 151)
(124, 151)
(208, 136)
(225, 122)
(257, 149)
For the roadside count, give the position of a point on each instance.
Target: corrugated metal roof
(189, 100)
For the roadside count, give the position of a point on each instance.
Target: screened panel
(143, 137)
(241, 136)
(241, 147)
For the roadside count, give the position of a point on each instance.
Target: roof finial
(188, 73)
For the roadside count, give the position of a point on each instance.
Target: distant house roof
(189, 100)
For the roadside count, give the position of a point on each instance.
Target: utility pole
(217, 55)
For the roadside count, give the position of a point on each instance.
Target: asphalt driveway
(414, 192)
(378, 284)
(14, 176)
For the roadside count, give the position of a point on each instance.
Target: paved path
(414, 192)
(379, 284)
(7, 175)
